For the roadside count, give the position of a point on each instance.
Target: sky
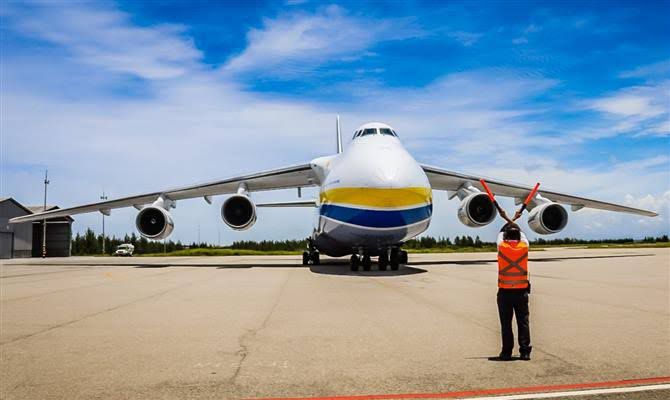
(130, 97)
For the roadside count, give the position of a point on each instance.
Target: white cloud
(641, 110)
(465, 38)
(295, 43)
(658, 69)
(628, 105)
(659, 204)
(106, 38)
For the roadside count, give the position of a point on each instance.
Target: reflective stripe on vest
(513, 266)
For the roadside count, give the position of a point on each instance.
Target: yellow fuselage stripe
(378, 197)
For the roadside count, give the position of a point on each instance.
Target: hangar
(25, 240)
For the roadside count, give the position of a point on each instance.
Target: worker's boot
(504, 356)
(525, 354)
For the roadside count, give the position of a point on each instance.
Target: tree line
(91, 244)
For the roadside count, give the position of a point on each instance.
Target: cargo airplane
(373, 197)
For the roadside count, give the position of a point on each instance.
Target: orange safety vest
(513, 265)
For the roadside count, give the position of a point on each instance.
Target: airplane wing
(282, 178)
(441, 179)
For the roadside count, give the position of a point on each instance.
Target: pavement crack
(418, 298)
(74, 321)
(243, 340)
(76, 288)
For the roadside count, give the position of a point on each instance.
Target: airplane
(373, 197)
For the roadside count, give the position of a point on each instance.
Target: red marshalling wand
(530, 197)
(488, 191)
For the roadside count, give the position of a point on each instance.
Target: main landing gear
(393, 258)
(311, 255)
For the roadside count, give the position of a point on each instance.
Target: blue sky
(136, 96)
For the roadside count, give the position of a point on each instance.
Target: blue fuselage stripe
(377, 218)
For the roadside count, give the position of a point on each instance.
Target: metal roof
(34, 209)
(26, 209)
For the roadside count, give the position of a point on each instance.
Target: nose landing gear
(311, 256)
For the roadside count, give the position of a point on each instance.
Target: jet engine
(239, 212)
(476, 210)
(154, 222)
(548, 218)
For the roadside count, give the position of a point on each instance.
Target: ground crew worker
(513, 288)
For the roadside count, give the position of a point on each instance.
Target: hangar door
(58, 239)
(6, 244)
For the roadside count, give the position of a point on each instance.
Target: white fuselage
(373, 195)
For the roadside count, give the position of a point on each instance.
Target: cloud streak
(106, 38)
(295, 43)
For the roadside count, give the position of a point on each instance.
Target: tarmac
(268, 327)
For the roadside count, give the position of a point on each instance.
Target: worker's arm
(502, 213)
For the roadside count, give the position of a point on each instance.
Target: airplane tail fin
(339, 135)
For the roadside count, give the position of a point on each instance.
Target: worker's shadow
(344, 270)
(496, 358)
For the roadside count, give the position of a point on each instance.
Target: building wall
(21, 235)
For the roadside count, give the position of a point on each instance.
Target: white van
(124, 250)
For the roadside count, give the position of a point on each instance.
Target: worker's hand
(518, 214)
(504, 216)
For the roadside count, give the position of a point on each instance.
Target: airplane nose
(387, 174)
(387, 167)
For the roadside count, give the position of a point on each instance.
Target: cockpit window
(356, 134)
(369, 131)
(386, 131)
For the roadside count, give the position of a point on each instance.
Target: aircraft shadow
(531, 260)
(334, 266)
(344, 270)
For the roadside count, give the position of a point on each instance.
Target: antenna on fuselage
(339, 135)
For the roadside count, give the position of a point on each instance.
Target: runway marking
(574, 393)
(529, 392)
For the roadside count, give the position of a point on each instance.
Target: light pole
(44, 221)
(103, 198)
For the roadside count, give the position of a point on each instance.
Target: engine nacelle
(477, 210)
(154, 222)
(239, 212)
(548, 218)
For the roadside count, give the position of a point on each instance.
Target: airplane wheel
(354, 262)
(305, 258)
(383, 261)
(395, 259)
(367, 263)
(403, 257)
(316, 258)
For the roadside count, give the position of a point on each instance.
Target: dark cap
(511, 231)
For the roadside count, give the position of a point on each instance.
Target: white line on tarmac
(575, 393)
